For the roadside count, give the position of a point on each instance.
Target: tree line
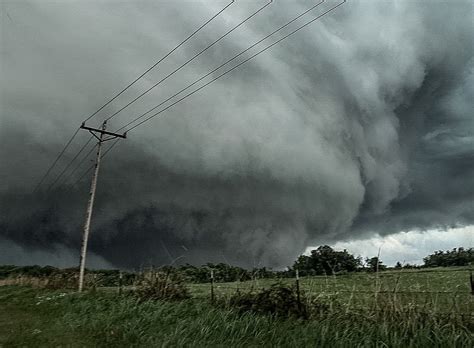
(455, 257)
(326, 261)
(323, 260)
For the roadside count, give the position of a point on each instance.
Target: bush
(162, 286)
(278, 300)
(62, 280)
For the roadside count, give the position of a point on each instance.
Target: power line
(110, 147)
(68, 143)
(189, 60)
(80, 163)
(160, 60)
(84, 173)
(92, 166)
(223, 64)
(56, 160)
(69, 164)
(102, 136)
(223, 74)
(235, 67)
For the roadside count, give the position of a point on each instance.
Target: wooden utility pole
(85, 236)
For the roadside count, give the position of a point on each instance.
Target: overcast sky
(409, 247)
(359, 125)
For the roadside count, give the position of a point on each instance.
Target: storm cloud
(360, 123)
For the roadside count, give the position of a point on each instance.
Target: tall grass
(104, 319)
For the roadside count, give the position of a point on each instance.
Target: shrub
(162, 286)
(278, 300)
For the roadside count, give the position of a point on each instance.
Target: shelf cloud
(358, 124)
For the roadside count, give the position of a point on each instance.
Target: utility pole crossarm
(102, 131)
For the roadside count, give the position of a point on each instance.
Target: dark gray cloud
(360, 123)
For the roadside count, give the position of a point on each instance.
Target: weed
(162, 286)
(278, 300)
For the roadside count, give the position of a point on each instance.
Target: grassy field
(442, 317)
(438, 290)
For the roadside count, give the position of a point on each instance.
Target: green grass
(434, 290)
(43, 318)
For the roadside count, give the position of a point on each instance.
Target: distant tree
(455, 257)
(325, 260)
(398, 265)
(410, 266)
(374, 264)
(304, 264)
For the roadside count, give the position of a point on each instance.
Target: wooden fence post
(472, 283)
(298, 290)
(120, 283)
(212, 286)
(94, 283)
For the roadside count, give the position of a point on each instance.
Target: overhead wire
(68, 143)
(92, 166)
(222, 65)
(80, 163)
(190, 60)
(70, 163)
(56, 160)
(160, 60)
(223, 74)
(232, 69)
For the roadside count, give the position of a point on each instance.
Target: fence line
(216, 286)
